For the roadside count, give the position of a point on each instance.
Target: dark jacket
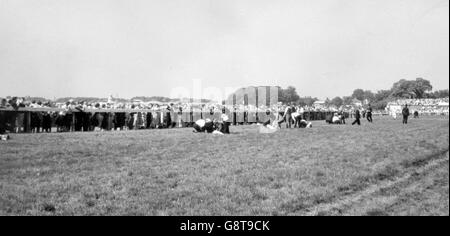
(405, 111)
(357, 114)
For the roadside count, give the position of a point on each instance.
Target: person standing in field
(342, 116)
(288, 116)
(369, 114)
(224, 120)
(2, 117)
(68, 118)
(357, 117)
(167, 120)
(148, 119)
(405, 113)
(279, 118)
(179, 117)
(47, 122)
(79, 116)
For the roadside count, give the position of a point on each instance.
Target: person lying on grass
(214, 127)
(267, 128)
(304, 124)
(202, 126)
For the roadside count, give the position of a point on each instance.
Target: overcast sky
(325, 48)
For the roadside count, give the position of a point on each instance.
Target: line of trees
(415, 89)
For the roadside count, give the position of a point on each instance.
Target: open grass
(384, 168)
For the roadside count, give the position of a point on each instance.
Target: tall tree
(307, 101)
(381, 99)
(358, 94)
(289, 95)
(369, 95)
(403, 88)
(411, 88)
(347, 100)
(337, 101)
(382, 95)
(440, 93)
(421, 86)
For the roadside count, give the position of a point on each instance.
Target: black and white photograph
(227, 108)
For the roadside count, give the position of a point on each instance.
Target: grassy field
(384, 168)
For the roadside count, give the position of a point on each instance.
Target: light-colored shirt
(201, 123)
(335, 118)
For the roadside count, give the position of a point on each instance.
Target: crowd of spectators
(82, 116)
(429, 102)
(427, 106)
